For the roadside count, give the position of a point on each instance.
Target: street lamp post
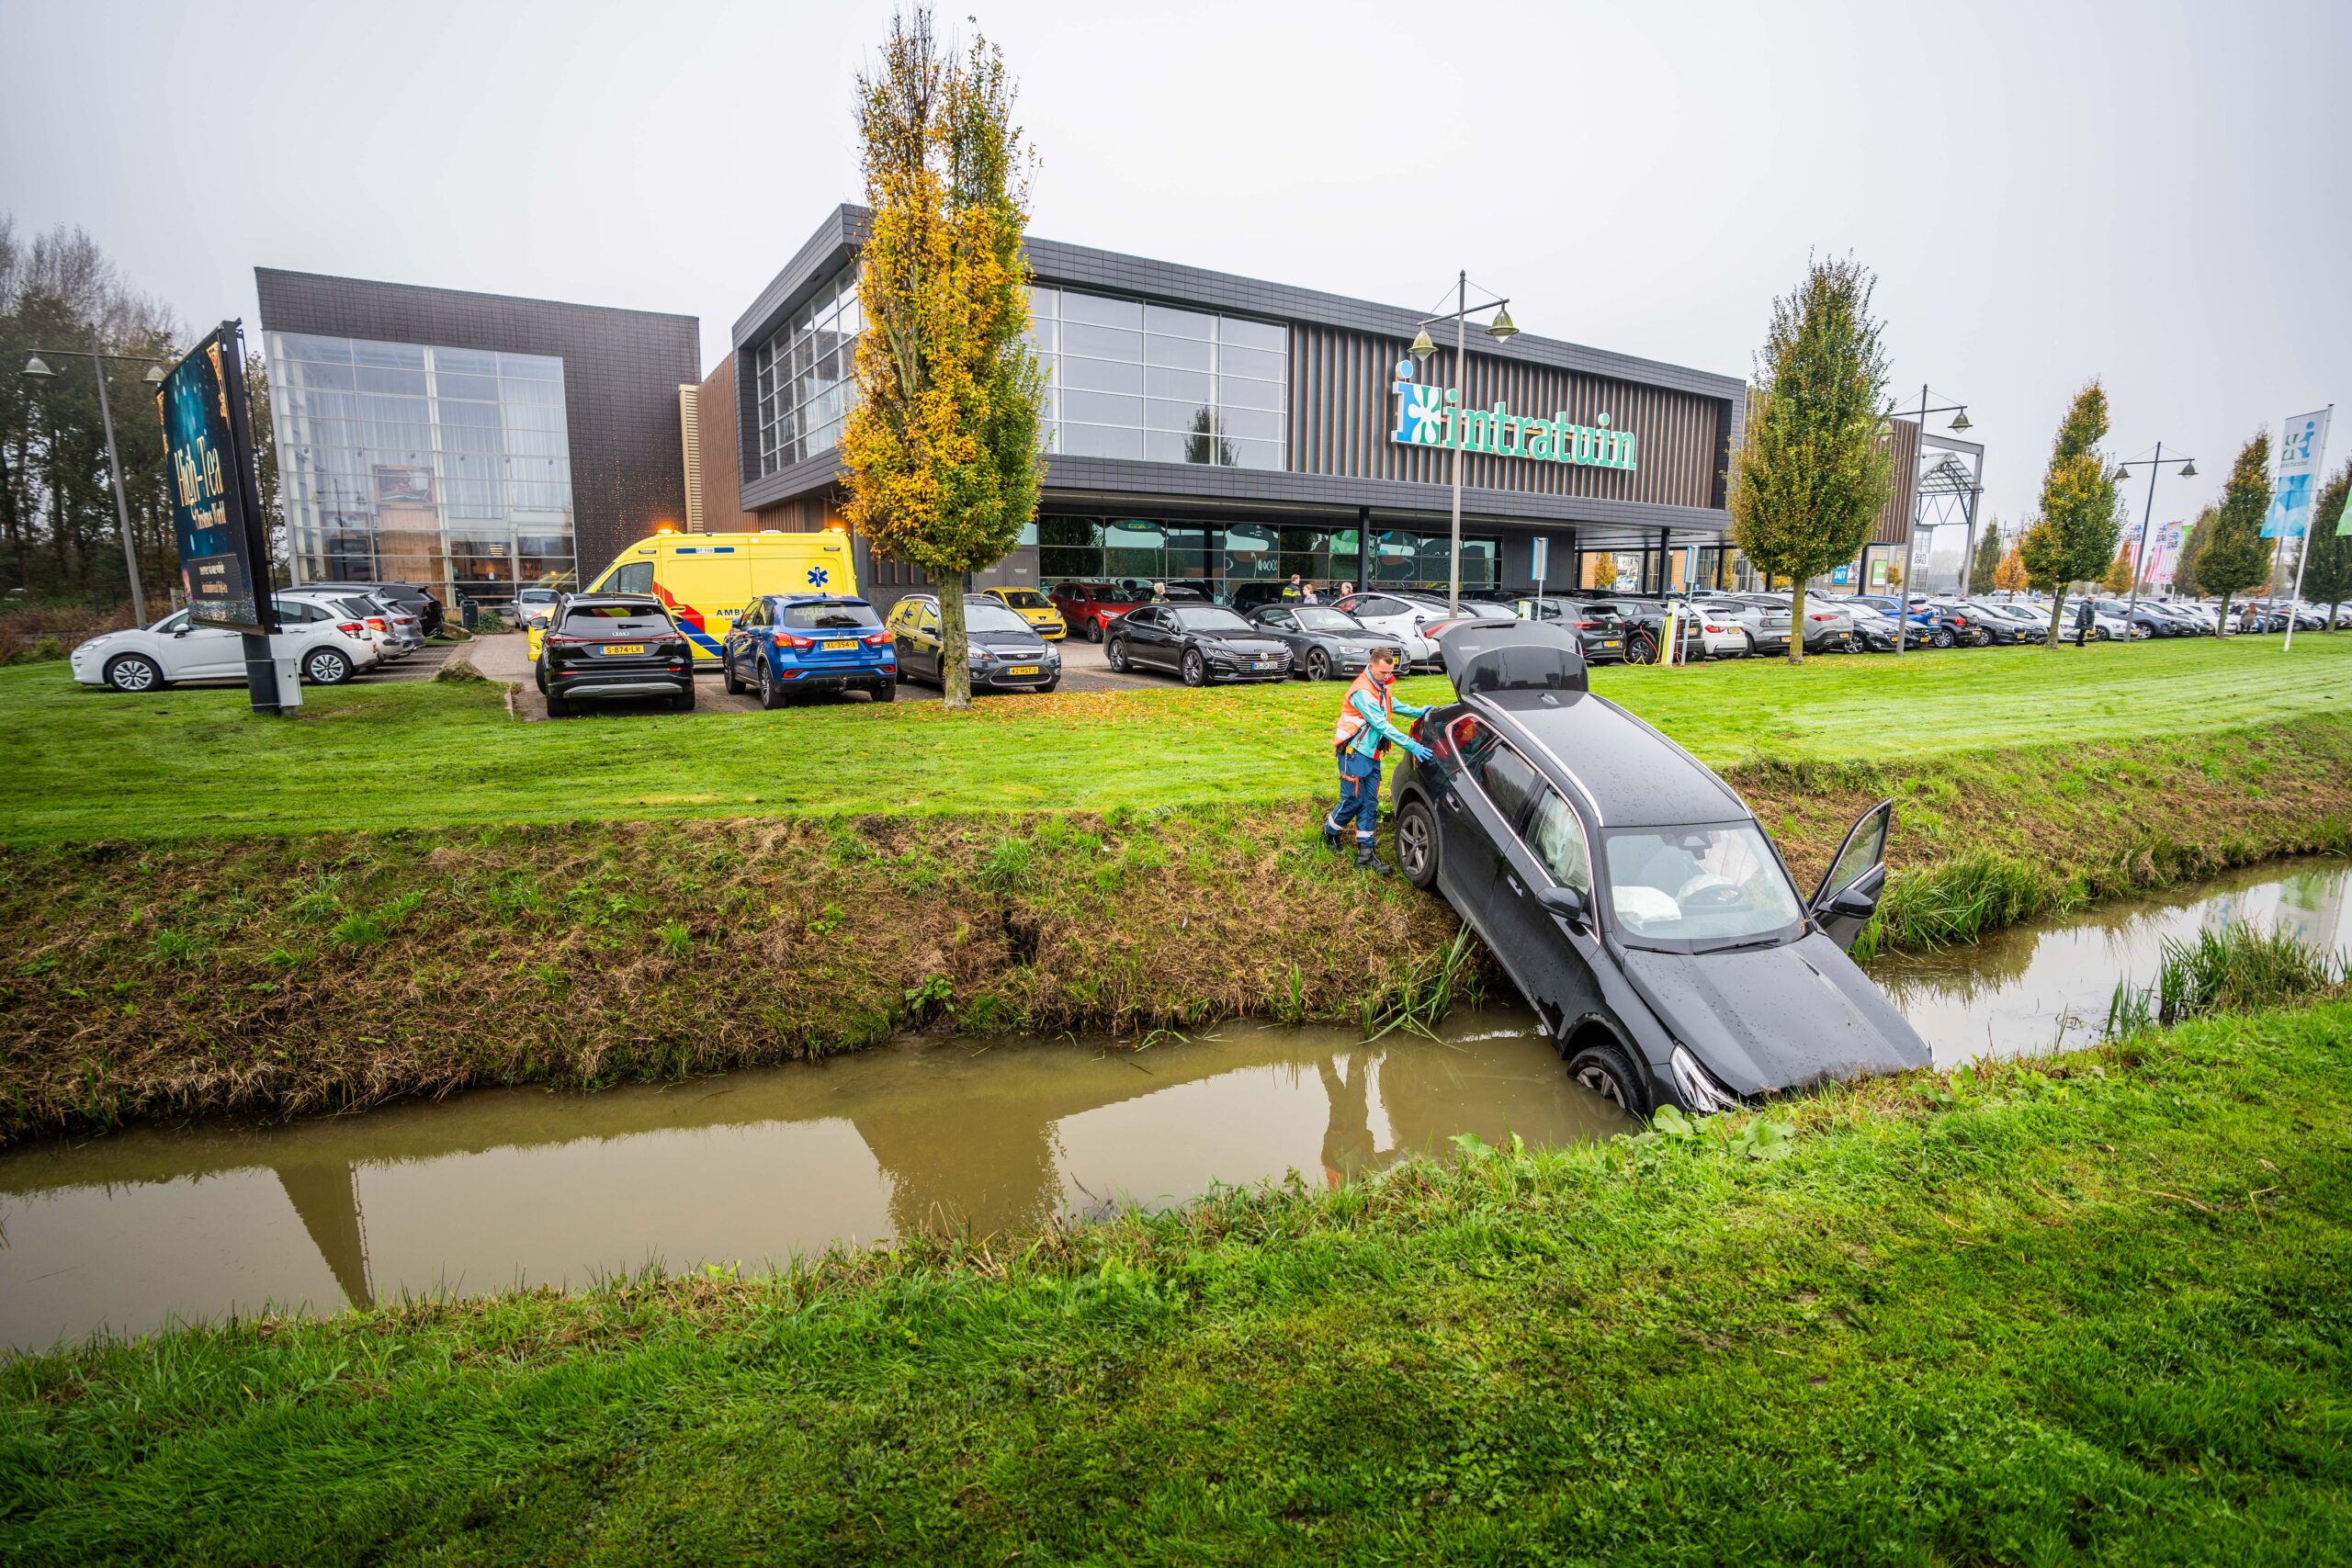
(1911, 524)
(1501, 331)
(35, 368)
(2147, 520)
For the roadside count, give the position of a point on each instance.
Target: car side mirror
(180, 631)
(1568, 901)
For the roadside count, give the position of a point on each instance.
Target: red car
(1090, 606)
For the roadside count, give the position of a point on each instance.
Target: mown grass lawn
(2086, 1311)
(92, 765)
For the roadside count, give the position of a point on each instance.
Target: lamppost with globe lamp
(38, 368)
(1501, 330)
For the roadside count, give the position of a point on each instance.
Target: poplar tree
(2236, 556)
(2192, 546)
(1986, 563)
(2327, 574)
(1815, 465)
(2080, 519)
(944, 450)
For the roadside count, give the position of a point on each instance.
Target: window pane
(1161, 414)
(1102, 408)
(1099, 375)
(1235, 392)
(1557, 838)
(1250, 361)
(394, 355)
(1253, 335)
(1100, 311)
(1178, 323)
(1253, 423)
(296, 345)
(1102, 343)
(470, 361)
(1100, 441)
(1190, 386)
(1045, 303)
(1255, 454)
(1178, 350)
(449, 384)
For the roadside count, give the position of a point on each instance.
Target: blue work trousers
(1359, 794)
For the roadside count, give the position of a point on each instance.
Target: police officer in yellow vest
(1366, 728)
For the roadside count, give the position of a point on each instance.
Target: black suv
(417, 601)
(600, 645)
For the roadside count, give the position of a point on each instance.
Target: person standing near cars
(2083, 623)
(1367, 727)
(1292, 591)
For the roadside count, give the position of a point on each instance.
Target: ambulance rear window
(830, 617)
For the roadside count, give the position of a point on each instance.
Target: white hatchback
(173, 649)
(1401, 618)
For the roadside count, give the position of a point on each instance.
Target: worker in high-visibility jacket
(1367, 727)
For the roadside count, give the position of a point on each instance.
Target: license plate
(614, 649)
(1263, 664)
(1609, 642)
(1023, 670)
(841, 645)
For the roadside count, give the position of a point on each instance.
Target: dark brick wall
(622, 370)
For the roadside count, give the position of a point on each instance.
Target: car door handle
(1511, 880)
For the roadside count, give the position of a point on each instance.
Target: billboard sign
(216, 511)
(2301, 446)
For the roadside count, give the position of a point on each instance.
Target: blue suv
(785, 644)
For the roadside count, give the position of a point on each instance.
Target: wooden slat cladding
(1342, 409)
(1894, 517)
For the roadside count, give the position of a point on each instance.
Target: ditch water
(504, 1187)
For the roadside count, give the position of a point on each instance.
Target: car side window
(637, 577)
(1557, 838)
(1509, 782)
(1277, 618)
(927, 619)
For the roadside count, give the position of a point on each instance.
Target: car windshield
(830, 617)
(601, 617)
(1208, 619)
(1705, 885)
(535, 596)
(1318, 618)
(994, 617)
(1025, 599)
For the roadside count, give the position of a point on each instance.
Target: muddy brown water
(130, 1232)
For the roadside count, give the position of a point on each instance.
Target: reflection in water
(2047, 986)
(509, 1186)
(527, 1187)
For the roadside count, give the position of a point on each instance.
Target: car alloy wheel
(727, 676)
(1641, 649)
(1983, 637)
(1943, 638)
(325, 666)
(1416, 847)
(134, 673)
(1117, 654)
(1606, 1071)
(1197, 668)
(1319, 664)
(1747, 640)
(771, 692)
(1095, 631)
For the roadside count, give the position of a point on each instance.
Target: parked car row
(332, 631)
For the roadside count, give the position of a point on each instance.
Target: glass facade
(1221, 559)
(410, 463)
(1127, 379)
(805, 376)
(1123, 379)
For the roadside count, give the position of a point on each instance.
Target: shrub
(2238, 968)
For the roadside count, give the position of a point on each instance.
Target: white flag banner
(2302, 445)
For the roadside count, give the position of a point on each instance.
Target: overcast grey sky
(2155, 193)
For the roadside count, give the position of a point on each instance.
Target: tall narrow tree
(1987, 561)
(2078, 505)
(2192, 546)
(944, 449)
(2237, 557)
(2327, 575)
(1815, 467)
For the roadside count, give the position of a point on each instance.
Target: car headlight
(1696, 1086)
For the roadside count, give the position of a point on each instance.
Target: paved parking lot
(506, 656)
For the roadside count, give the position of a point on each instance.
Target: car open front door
(1848, 892)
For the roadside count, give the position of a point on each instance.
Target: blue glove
(1420, 751)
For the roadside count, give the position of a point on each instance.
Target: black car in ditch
(600, 647)
(1632, 897)
(1200, 642)
(1325, 644)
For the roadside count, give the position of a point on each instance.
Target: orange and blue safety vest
(1367, 720)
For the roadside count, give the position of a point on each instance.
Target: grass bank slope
(2089, 1310)
(318, 971)
(196, 762)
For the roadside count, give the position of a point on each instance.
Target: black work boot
(1332, 838)
(1368, 859)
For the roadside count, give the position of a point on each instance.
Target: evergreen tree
(944, 450)
(2237, 557)
(2078, 504)
(1987, 561)
(1815, 465)
(2327, 575)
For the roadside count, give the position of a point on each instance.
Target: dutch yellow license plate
(841, 645)
(614, 649)
(1609, 642)
(1023, 670)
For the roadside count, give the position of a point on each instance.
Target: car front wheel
(325, 666)
(1319, 664)
(1641, 649)
(1117, 654)
(1095, 631)
(1197, 668)
(134, 673)
(1608, 1071)
(1943, 638)
(1416, 847)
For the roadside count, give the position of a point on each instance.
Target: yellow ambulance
(705, 579)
